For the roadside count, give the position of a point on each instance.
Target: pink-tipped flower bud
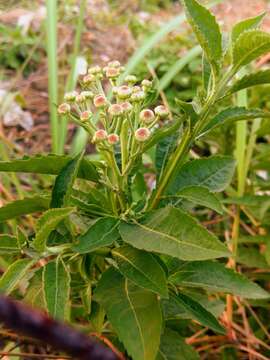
(100, 101)
(63, 109)
(112, 73)
(113, 139)
(70, 96)
(100, 135)
(126, 107)
(114, 64)
(146, 84)
(138, 96)
(161, 111)
(85, 115)
(115, 110)
(88, 79)
(80, 98)
(131, 79)
(94, 70)
(142, 134)
(87, 94)
(147, 116)
(114, 90)
(124, 92)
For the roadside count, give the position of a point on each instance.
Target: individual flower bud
(124, 92)
(113, 139)
(161, 111)
(147, 116)
(88, 79)
(87, 94)
(138, 96)
(131, 79)
(115, 110)
(142, 134)
(126, 107)
(94, 70)
(146, 84)
(114, 90)
(85, 115)
(100, 135)
(114, 64)
(63, 109)
(100, 101)
(70, 96)
(136, 89)
(112, 73)
(80, 98)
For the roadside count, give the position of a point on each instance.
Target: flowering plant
(118, 246)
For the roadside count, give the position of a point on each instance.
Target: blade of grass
(51, 30)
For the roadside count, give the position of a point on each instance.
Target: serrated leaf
(47, 223)
(249, 46)
(201, 196)
(246, 24)
(142, 268)
(215, 277)
(133, 312)
(49, 164)
(171, 231)
(104, 232)
(64, 181)
(193, 309)
(23, 207)
(234, 114)
(206, 29)
(257, 78)
(214, 173)
(174, 347)
(56, 288)
(14, 274)
(8, 244)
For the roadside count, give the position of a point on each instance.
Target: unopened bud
(138, 96)
(131, 79)
(85, 115)
(147, 116)
(114, 90)
(100, 101)
(136, 89)
(87, 94)
(126, 107)
(114, 64)
(94, 70)
(112, 73)
(63, 109)
(113, 139)
(142, 134)
(161, 111)
(146, 84)
(115, 110)
(88, 79)
(80, 98)
(70, 96)
(100, 135)
(124, 92)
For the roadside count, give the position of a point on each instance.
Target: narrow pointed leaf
(257, 78)
(142, 268)
(134, 313)
(8, 244)
(247, 24)
(14, 274)
(104, 232)
(56, 287)
(214, 276)
(172, 232)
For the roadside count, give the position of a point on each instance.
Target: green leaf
(24, 207)
(251, 257)
(246, 24)
(171, 231)
(174, 347)
(8, 244)
(206, 29)
(257, 78)
(134, 313)
(14, 274)
(47, 223)
(49, 164)
(194, 310)
(249, 46)
(64, 181)
(142, 268)
(104, 232)
(215, 277)
(56, 288)
(188, 109)
(234, 114)
(164, 149)
(201, 196)
(214, 173)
